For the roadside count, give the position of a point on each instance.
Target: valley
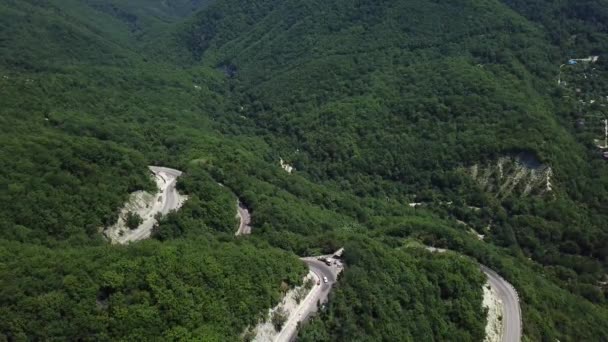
(173, 170)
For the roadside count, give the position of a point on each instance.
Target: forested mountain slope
(81, 120)
(442, 94)
(576, 26)
(397, 99)
(73, 32)
(37, 36)
(383, 107)
(375, 60)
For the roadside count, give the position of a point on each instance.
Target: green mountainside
(405, 121)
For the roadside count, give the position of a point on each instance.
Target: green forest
(409, 123)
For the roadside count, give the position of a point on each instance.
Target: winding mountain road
(245, 219)
(170, 196)
(166, 199)
(511, 311)
(318, 294)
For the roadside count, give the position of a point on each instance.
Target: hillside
(375, 100)
(407, 122)
(331, 92)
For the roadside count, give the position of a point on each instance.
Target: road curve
(318, 294)
(244, 219)
(169, 193)
(321, 270)
(511, 310)
(165, 200)
(170, 196)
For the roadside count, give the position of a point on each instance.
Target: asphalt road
(318, 294)
(321, 270)
(167, 200)
(511, 315)
(170, 196)
(245, 219)
(511, 310)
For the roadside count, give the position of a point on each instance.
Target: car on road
(325, 260)
(325, 279)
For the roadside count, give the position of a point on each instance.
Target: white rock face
(265, 331)
(147, 205)
(521, 174)
(286, 166)
(494, 326)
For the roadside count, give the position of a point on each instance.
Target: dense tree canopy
(148, 291)
(382, 107)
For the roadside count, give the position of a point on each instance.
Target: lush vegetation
(210, 207)
(377, 104)
(57, 187)
(404, 295)
(148, 291)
